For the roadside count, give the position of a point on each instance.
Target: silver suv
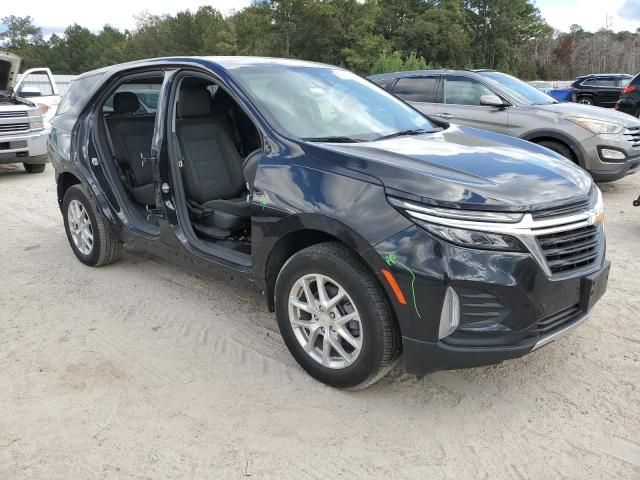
(604, 142)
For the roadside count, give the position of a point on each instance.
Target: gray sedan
(604, 142)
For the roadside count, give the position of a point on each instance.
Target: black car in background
(600, 89)
(630, 98)
(370, 229)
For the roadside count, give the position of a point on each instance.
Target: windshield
(519, 90)
(326, 104)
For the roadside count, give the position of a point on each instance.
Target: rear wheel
(91, 237)
(335, 318)
(558, 147)
(34, 167)
(585, 100)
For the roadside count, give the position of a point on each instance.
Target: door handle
(446, 116)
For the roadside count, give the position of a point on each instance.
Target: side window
(147, 91)
(605, 82)
(36, 85)
(416, 89)
(590, 82)
(385, 83)
(464, 91)
(623, 82)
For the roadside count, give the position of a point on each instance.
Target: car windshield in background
(322, 104)
(519, 90)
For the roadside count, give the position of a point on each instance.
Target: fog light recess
(609, 154)
(450, 316)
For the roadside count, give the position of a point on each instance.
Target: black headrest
(194, 102)
(125, 102)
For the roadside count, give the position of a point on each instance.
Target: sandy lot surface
(144, 370)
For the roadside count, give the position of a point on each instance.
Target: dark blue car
(371, 229)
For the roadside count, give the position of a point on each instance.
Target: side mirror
(26, 92)
(492, 101)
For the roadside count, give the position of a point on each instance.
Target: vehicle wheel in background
(585, 100)
(335, 318)
(558, 147)
(90, 235)
(34, 167)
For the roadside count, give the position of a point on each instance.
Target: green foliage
(362, 35)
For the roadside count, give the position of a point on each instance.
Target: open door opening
(128, 114)
(217, 148)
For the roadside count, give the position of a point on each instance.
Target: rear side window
(601, 82)
(416, 89)
(78, 90)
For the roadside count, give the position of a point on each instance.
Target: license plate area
(593, 286)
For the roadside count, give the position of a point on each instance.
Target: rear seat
(131, 137)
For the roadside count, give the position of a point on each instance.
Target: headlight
(473, 238)
(435, 219)
(596, 126)
(36, 123)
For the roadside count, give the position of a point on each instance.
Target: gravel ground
(143, 369)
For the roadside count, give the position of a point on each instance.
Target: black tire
(381, 342)
(586, 100)
(558, 147)
(34, 167)
(107, 248)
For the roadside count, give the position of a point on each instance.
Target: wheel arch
(552, 136)
(64, 182)
(311, 230)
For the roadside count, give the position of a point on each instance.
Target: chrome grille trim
(633, 136)
(14, 114)
(14, 128)
(528, 230)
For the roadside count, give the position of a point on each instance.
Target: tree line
(367, 36)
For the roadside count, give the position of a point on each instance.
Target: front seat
(212, 168)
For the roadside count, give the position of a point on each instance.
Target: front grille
(14, 127)
(13, 114)
(572, 249)
(564, 210)
(633, 135)
(557, 321)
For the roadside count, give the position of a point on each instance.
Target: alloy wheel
(325, 321)
(80, 227)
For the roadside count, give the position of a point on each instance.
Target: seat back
(131, 136)
(212, 166)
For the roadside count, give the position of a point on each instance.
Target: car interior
(218, 147)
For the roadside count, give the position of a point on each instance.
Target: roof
(604, 75)
(226, 62)
(412, 73)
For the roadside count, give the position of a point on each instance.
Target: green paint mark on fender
(392, 259)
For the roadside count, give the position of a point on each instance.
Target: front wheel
(34, 167)
(90, 235)
(558, 147)
(335, 318)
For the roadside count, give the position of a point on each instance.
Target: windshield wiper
(402, 133)
(333, 139)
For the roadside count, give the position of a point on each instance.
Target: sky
(54, 15)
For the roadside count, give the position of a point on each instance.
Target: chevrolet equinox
(371, 229)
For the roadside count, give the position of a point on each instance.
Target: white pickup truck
(25, 112)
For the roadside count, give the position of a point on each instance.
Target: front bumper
(28, 148)
(603, 170)
(536, 308)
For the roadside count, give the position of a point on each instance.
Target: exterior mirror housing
(492, 101)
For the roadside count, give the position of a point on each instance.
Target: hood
(9, 66)
(567, 109)
(463, 167)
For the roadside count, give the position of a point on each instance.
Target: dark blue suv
(370, 228)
